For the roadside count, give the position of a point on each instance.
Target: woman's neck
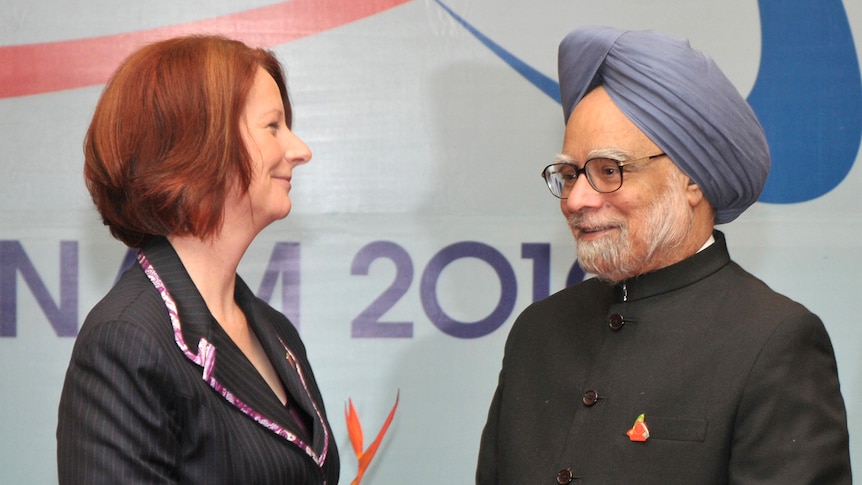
(211, 264)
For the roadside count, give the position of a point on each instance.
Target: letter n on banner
(63, 317)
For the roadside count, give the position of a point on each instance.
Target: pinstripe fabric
(134, 409)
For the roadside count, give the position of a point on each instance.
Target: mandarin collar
(677, 275)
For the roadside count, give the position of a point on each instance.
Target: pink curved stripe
(56, 66)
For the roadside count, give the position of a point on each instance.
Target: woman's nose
(296, 152)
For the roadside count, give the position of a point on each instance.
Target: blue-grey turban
(681, 100)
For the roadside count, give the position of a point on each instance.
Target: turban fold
(681, 100)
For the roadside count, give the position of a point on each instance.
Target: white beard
(668, 220)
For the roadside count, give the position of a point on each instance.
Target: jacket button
(565, 476)
(590, 397)
(616, 321)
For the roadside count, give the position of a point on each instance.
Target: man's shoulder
(746, 287)
(578, 299)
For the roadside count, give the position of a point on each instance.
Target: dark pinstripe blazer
(737, 384)
(136, 409)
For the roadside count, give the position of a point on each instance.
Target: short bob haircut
(164, 149)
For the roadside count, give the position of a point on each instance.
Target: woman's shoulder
(132, 301)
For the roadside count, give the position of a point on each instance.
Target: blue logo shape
(536, 78)
(808, 95)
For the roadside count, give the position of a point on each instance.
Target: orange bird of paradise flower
(354, 430)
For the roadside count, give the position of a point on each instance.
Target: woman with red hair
(180, 374)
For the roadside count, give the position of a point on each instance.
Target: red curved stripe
(56, 66)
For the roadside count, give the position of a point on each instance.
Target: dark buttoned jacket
(137, 408)
(736, 383)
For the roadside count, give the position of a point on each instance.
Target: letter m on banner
(63, 316)
(283, 262)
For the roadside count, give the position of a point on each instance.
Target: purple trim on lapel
(291, 359)
(206, 357)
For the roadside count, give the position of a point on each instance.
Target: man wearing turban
(673, 365)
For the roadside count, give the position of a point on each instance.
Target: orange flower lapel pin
(639, 431)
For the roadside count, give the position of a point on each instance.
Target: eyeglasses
(605, 175)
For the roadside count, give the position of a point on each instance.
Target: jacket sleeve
(792, 425)
(113, 424)
(486, 469)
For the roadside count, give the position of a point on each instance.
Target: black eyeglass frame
(580, 171)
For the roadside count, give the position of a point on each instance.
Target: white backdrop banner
(421, 227)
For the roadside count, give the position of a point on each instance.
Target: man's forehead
(597, 122)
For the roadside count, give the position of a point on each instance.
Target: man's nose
(582, 196)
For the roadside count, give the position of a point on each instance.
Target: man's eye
(604, 168)
(567, 173)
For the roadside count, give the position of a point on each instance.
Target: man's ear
(694, 194)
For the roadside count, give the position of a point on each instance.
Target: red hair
(164, 148)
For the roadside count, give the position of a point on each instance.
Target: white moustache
(587, 224)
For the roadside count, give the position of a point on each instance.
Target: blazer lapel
(285, 365)
(194, 315)
(225, 367)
